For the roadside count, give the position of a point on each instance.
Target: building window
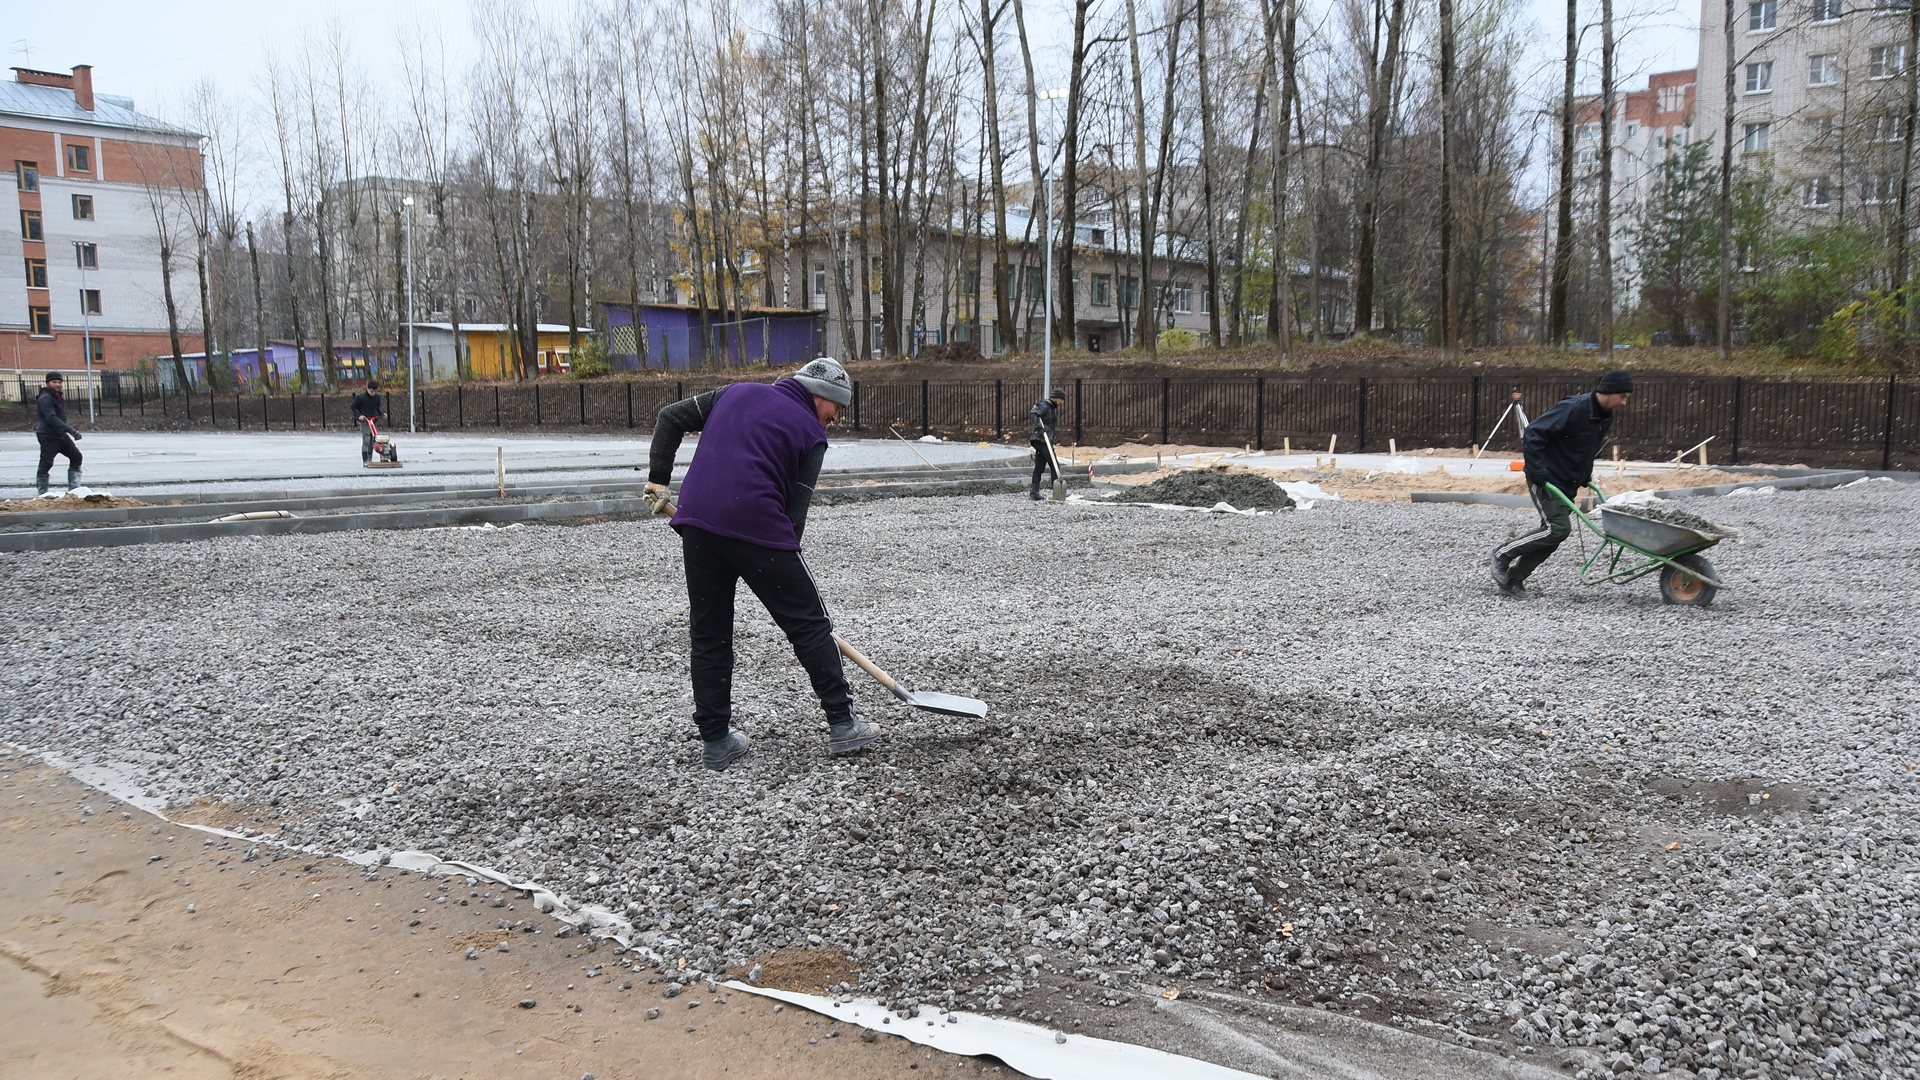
(97, 350)
(1886, 61)
(1129, 292)
(36, 273)
(1036, 285)
(1762, 14)
(1100, 289)
(1757, 137)
(1672, 98)
(30, 225)
(1183, 297)
(1589, 131)
(41, 320)
(1760, 77)
(1827, 10)
(87, 256)
(820, 282)
(1887, 127)
(1823, 69)
(1819, 193)
(27, 175)
(79, 157)
(83, 208)
(1099, 237)
(1875, 188)
(89, 301)
(1632, 130)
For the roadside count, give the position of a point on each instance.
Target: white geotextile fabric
(1039, 1052)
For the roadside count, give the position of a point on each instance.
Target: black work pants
(1523, 554)
(715, 564)
(52, 446)
(366, 440)
(1042, 460)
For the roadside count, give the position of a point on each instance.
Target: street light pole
(1046, 233)
(408, 203)
(86, 326)
(1046, 352)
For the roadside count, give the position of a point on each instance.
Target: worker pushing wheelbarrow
(1634, 545)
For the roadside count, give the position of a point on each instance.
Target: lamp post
(1046, 232)
(86, 323)
(408, 203)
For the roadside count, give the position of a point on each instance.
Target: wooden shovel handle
(869, 667)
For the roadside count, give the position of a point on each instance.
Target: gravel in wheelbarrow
(1669, 513)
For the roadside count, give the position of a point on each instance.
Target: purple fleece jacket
(748, 461)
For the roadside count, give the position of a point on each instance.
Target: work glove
(659, 498)
(76, 436)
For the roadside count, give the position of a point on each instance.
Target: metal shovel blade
(949, 704)
(1059, 491)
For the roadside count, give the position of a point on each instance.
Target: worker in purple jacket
(743, 507)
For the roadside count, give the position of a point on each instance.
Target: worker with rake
(743, 508)
(1044, 430)
(1559, 448)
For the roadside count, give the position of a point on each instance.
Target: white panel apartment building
(81, 174)
(1816, 99)
(1649, 126)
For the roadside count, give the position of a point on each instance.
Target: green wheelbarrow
(1633, 547)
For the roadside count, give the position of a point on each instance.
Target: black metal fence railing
(1871, 423)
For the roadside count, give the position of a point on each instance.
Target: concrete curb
(64, 539)
(1785, 483)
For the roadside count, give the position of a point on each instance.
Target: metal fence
(1864, 423)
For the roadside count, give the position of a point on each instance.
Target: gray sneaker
(719, 755)
(1515, 589)
(1499, 568)
(854, 735)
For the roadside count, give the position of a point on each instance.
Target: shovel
(949, 704)
(1059, 481)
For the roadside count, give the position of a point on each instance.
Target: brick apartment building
(84, 169)
(1649, 126)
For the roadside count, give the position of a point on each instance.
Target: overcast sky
(156, 52)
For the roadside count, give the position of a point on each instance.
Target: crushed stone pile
(1206, 487)
(1281, 781)
(1672, 514)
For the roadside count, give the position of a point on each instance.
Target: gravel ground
(1310, 758)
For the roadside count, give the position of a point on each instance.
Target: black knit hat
(55, 377)
(1615, 382)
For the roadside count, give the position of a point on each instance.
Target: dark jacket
(53, 414)
(1044, 418)
(367, 403)
(1562, 442)
(754, 471)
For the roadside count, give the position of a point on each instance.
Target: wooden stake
(1703, 455)
(1332, 442)
(500, 468)
(1393, 449)
(1286, 445)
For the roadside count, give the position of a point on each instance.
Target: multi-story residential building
(1649, 126)
(1816, 99)
(90, 184)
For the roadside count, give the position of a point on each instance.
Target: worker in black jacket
(1044, 422)
(56, 435)
(367, 413)
(1559, 448)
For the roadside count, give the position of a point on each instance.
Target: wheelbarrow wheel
(1679, 587)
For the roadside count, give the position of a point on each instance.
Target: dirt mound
(1205, 487)
(66, 502)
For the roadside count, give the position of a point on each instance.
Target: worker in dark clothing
(743, 508)
(1559, 448)
(367, 413)
(1044, 421)
(56, 435)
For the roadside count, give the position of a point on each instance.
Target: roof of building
(57, 103)
(496, 328)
